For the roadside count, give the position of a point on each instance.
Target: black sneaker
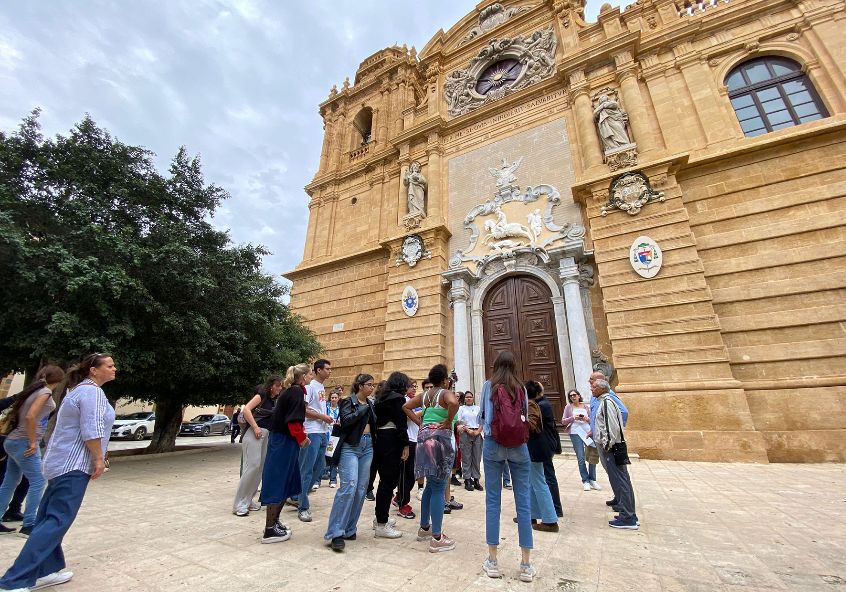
(478, 486)
(454, 504)
(25, 531)
(275, 534)
(507, 485)
(351, 537)
(612, 502)
(447, 510)
(467, 485)
(454, 481)
(369, 496)
(338, 544)
(11, 516)
(6, 530)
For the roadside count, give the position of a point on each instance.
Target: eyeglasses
(369, 384)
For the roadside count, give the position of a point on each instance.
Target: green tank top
(432, 414)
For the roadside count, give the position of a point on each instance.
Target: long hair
(504, 373)
(295, 374)
(268, 384)
(80, 371)
(47, 375)
(360, 379)
(397, 382)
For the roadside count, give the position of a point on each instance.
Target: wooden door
(518, 316)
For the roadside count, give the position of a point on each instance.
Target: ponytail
(80, 372)
(47, 375)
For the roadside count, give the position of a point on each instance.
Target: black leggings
(387, 452)
(406, 482)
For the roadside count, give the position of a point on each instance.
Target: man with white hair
(594, 407)
(607, 433)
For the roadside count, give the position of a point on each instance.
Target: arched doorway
(518, 315)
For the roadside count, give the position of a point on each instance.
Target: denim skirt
(280, 478)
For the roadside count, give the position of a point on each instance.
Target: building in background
(659, 194)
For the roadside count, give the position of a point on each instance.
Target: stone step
(568, 452)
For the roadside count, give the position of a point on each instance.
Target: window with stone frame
(363, 124)
(772, 93)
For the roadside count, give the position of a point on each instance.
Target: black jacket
(549, 424)
(389, 409)
(353, 416)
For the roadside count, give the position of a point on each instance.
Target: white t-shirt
(469, 415)
(315, 399)
(413, 429)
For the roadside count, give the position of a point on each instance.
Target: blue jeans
(542, 506)
(586, 470)
(17, 466)
(506, 475)
(42, 554)
(312, 458)
(354, 468)
(432, 505)
(494, 458)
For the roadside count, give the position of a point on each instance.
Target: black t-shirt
(266, 404)
(290, 408)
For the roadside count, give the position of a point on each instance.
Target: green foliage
(100, 252)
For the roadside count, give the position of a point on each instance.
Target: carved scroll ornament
(491, 17)
(535, 55)
(629, 193)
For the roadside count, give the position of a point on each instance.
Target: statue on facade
(416, 184)
(504, 175)
(611, 121)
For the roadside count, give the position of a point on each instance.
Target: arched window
(363, 124)
(772, 93)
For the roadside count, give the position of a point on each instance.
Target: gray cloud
(237, 82)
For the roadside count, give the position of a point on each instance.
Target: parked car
(136, 426)
(206, 424)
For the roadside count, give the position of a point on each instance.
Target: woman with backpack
(24, 427)
(435, 454)
(504, 422)
(257, 415)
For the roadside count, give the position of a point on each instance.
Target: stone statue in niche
(416, 185)
(611, 121)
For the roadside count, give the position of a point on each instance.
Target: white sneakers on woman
(386, 531)
(586, 486)
(595, 485)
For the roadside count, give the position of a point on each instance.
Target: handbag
(592, 455)
(620, 450)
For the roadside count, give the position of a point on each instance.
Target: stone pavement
(165, 524)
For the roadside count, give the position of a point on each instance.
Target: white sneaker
(586, 486)
(420, 494)
(527, 572)
(241, 513)
(315, 487)
(391, 521)
(332, 485)
(595, 485)
(386, 531)
(304, 515)
(255, 507)
(491, 569)
(53, 579)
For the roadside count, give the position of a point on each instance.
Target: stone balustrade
(694, 7)
(360, 152)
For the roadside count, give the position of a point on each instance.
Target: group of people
(405, 437)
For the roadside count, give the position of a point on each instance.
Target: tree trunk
(168, 422)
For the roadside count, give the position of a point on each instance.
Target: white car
(136, 426)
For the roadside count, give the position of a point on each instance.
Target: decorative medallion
(412, 251)
(502, 67)
(645, 257)
(491, 17)
(410, 301)
(630, 192)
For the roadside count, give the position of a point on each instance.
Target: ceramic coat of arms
(645, 257)
(410, 301)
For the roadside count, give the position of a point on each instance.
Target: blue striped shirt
(85, 414)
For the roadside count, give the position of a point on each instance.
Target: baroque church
(659, 195)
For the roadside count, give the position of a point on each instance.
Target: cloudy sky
(236, 81)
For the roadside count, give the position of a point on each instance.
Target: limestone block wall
(769, 230)
(344, 303)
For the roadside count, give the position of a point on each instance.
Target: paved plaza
(165, 524)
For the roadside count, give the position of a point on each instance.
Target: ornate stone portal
(500, 245)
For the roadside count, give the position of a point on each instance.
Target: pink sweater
(567, 418)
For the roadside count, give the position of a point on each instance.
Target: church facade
(660, 195)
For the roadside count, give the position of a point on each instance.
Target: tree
(100, 252)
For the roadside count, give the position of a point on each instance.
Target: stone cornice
(306, 268)
(599, 52)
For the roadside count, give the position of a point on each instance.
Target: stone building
(660, 194)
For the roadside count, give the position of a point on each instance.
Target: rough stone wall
(769, 229)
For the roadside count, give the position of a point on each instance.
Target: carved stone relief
(629, 193)
(529, 60)
(412, 251)
(506, 242)
(491, 17)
